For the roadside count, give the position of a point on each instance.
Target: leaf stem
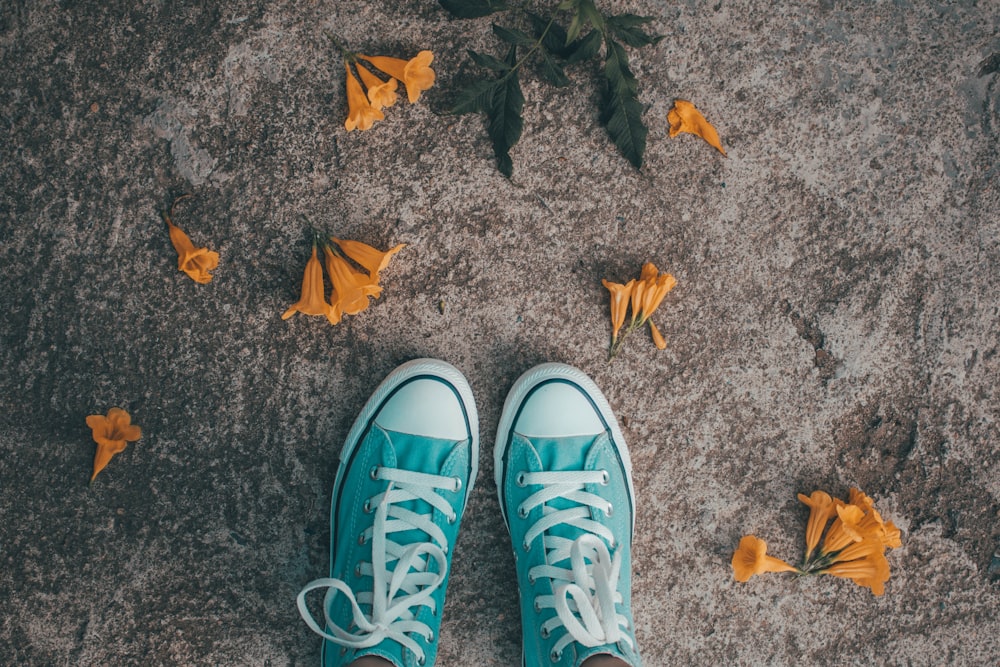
(538, 43)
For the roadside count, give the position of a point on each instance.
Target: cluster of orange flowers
(363, 109)
(853, 547)
(643, 296)
(111, 433)
(351, 288)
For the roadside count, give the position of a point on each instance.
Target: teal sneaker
(565, 483)
(405, 473)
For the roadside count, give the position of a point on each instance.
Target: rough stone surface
(835, 321)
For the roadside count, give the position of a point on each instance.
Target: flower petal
(658, 340)
(312, 300)
(684, 117)
(371, 259)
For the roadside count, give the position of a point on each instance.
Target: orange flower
(892, 536)
(196, 262)
(751, 558)
(312, 300)
(635, 299)
(381, 94)
(351, 288)
(111, 433)
(415, 73)
(861, 499)
(856, 550)
(655, 288)
(845, 529)
(373, 260)
(620, 295)
(821, 509)
(871, 571)
(684, 117)
(657, 337)
(360, 113)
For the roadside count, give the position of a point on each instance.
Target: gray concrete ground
(835, 321)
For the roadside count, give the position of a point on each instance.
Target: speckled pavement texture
(835, 320)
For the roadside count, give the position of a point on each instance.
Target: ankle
(371, 661)
(604, 660)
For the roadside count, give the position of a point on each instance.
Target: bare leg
(371, 661)
(604, 661)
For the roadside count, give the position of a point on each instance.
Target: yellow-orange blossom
(643, 296)
(195, 262)
(853, 547)
(111, 433)
(415, 73)
(360, 113)
(351, 288)
(312, 300)
(751, 558)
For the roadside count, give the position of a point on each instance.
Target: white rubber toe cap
(425, 407)
(558, 410)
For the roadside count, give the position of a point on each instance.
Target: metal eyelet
(362, 539)
(458, 483)
(609, 510)
(421, 660)
(612, 543)
(605, 478)
(430, 637)
(522, 512)
(373, 473)
(519, 480)
(357, 570)
(526, 546)
(367, 506)
(531, 579)
(537, 607)
(544, 632)
(452, 519)
(555, 656)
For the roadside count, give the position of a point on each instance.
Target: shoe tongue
(415, 452)
(559, 454)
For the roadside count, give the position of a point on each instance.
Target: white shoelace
(584, 596)
(408, 585)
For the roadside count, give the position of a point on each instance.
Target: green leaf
(626, 28)
(628, 21)
(504, 112)
(470, 9)
(585, 48)
(476, 98)
(621, 111)
(575, 27)
(513, 36)
(630, 33)
(488, 61)
(554, 40)
(592, 14)
(552, 72)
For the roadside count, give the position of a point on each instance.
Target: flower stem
(349, 55)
